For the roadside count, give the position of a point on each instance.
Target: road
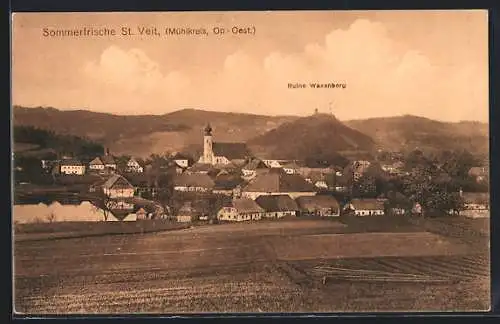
(293, 266)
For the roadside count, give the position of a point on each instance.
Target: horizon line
(13, 106)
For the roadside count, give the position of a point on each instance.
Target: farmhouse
(278, 206)
(118, 187)
(358, 168)
(320, 180)
(274, 163)
(96, 164)
(276, 182)
(241, 209)
(366, 207)
(291, 167)
(182, 160)
(477, 204)
(201, 168)
(319, 205)
(134, 166)
(193, 182)
(72, 166)
(228, 185)
(253, 167)
(187, 213)
(480, 173)
(397, 203)
(144, 185)
(216, 153)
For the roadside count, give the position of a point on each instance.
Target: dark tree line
(70, 144)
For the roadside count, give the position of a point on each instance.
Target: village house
(366, 207)
(272, 164)
(476, 204)
(277, 182)
(118, 187)
(145, 185)
(291, 167)
(393, 168)
(358, 168)
(72, 167)
(320, 180)
(96, 165)
(193, 182)
(181, 160)
(278, 206)
(217, 153)
(241, 209)
(479, 173)
(228, 185)
(396, 203)
(134, 166)
(250, 170)
(187, 213)
(201, 168)
(109, 161)
(319, 205)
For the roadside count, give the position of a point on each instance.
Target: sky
(426, 63)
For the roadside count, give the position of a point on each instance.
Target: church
(218, 153)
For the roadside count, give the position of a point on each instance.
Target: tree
(365, 187)
(103, 203)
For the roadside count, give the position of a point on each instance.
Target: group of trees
(77, 146)
(433, 180)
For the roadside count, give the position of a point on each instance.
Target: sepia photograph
(250, 162)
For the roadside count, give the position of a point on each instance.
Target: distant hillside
(145, 134)
(142, 135)
(410, 132)
(38, 143)
(319, 136)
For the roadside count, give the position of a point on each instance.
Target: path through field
(301, 266)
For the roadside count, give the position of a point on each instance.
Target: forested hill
(34, 142)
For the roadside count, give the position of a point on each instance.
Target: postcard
(250, 162)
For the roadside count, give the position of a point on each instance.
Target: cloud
(383, 78)
(133, 72)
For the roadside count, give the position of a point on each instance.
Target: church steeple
(208, 154)
(208, 130)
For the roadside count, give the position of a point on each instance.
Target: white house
(187, 213)
(367, 207)
(181, 160)
(134, 166)
(193, 182)
(278, 206)
(118, 187)
(73, 167)
(241, 209)
(274, 163)
(96, 164)
(477, 204)
(251, 169)
(319, 205)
